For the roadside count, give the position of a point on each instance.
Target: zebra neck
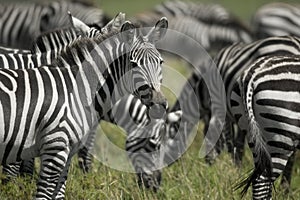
(103, 70)
(55, 41)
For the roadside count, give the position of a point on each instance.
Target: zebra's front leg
(53, 164)
(214, 142)
(85, 157)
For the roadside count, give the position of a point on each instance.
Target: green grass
(189, 178)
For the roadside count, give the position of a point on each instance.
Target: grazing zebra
(22, 23)
(46, 49)
(209, 13)
(277, 19)
(83, 10)
(273, 118)
(212, 33)
(231, 62)
(60, 103)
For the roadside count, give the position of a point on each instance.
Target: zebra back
(58, 17)
(277, 19)
(21, 23)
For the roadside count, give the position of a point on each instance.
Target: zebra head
(145, 64)
(143, 148)
(146, 148)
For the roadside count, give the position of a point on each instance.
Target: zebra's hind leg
(239, 145)
(63, 180)
(287, 173)
(10, 171)
(53, 164)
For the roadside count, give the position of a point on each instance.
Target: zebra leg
(63, 180)
(27, 167)
(210, 155)
(10, 171)
(239, 145)
(262, 187)
(85, 157)
(287, 173)
(228, 135)
(53, 165)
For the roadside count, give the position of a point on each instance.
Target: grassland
(189, 178)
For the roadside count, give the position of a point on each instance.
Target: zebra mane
(84, 44)
(39, 43)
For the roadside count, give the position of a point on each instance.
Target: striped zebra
(46, 44)
(22, 23)
(58, 125)
(209, 13)
(277, 19)
(83, 10)
(46, 49)
(273, 118)
(212, 36)
(231, 62)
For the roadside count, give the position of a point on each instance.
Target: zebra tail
(261, 156)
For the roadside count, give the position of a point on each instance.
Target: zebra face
(145, 64)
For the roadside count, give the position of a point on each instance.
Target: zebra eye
(161, 62)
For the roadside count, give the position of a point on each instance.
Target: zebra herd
(65, 66)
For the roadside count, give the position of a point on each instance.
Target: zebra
(276, 19)
(22, 23)
(273, 119)
(231, 62)
(85, 11)
(213, 35)
(209, 13)
(47, 48)
(56, 141)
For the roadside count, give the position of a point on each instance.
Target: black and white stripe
(270, 91)
(47, 48)
(22, 23)
(61, 117)
(277, 19)
(213, 31)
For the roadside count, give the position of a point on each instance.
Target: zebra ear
(80, 27)
(158, 31)
(114, 24)
(128, 32)
(119, 20)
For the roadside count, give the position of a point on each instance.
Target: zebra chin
(150, 181)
